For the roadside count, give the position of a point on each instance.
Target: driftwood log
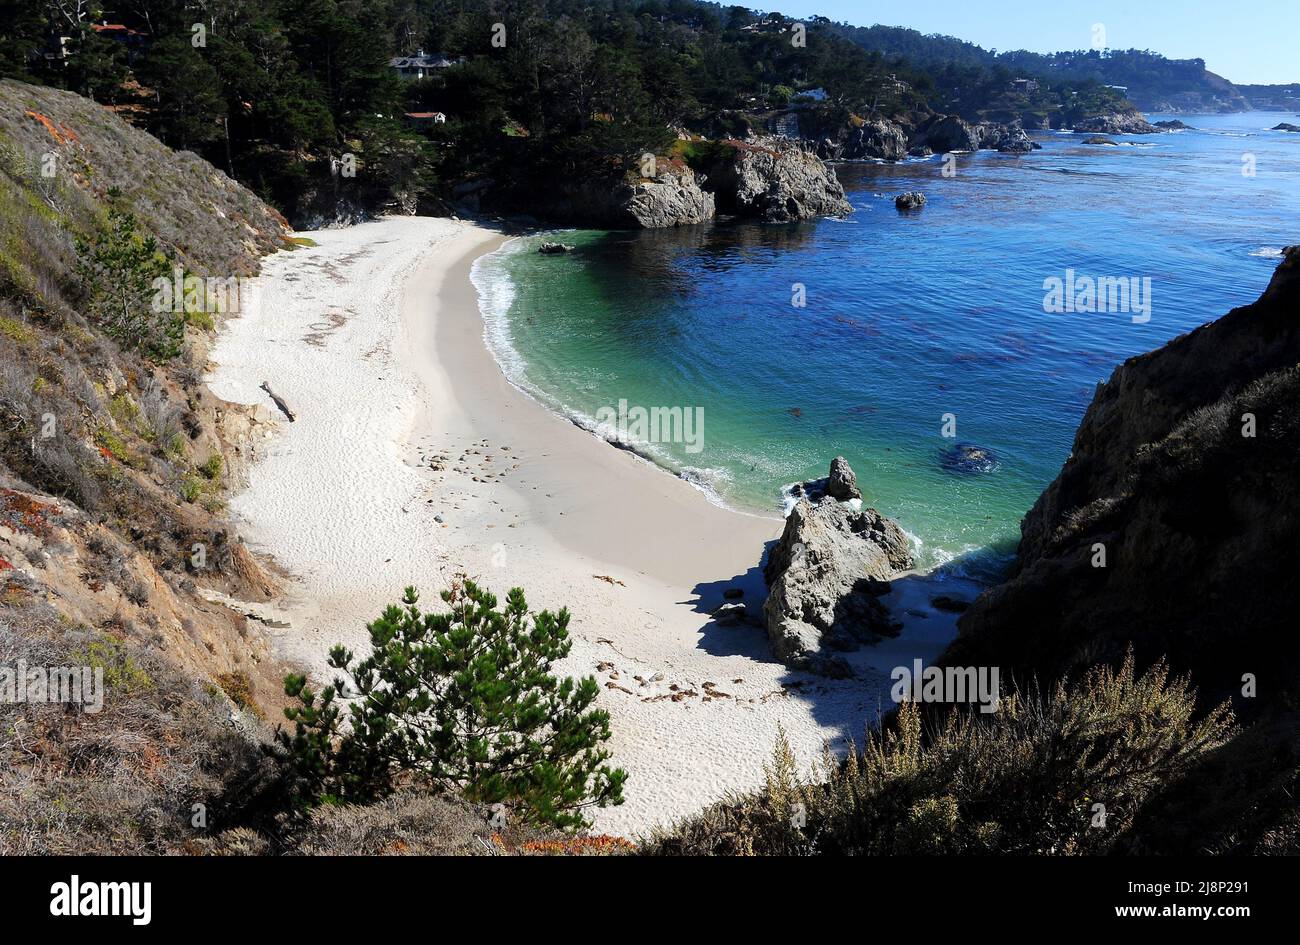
(279, 401)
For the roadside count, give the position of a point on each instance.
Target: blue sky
(1247, 41)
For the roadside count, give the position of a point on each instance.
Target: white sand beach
(375, 339)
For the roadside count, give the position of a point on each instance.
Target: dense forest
(306, 102)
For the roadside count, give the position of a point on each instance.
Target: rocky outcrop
(880, 140)
(826, 574)
(1174, 525)
(1119, 123)
(674, 198)
(1098, 139)
(774, 180)
(842, 483)
(912, 200)
(1174, 125)
(1286, 126)
(1009, 139)
(769, 179)
(948, 133)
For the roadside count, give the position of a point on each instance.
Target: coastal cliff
(1173, 524)
(765, 179)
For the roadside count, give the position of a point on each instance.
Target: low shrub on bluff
(462, 701)
(1061, 774)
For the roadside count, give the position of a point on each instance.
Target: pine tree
(462, 701)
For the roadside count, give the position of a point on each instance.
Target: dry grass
(1025, 780)
(121, 781)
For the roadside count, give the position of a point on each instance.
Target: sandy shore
(413, 459)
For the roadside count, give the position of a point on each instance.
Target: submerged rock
(912, 200)
(1286, 126)
(951, 604)
(555, 249)
(967, 458)
(825, 575)
(1098, 139)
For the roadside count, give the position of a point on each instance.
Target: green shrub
(211, 468)
(461, 701)
(118, 267)
(15, 330)
(191, 489)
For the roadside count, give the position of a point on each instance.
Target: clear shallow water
(907, 318)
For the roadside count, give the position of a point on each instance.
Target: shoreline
(414, 459)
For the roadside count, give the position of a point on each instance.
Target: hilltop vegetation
(291, 97)
(1151, 81)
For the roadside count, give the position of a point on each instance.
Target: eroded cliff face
(1174, 526)
(112, 466)
(766, 179)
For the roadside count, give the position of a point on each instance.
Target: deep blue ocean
(912, 324)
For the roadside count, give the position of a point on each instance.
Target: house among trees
(1024, 86)
(421, 65)
(425, 119)
(131, 39)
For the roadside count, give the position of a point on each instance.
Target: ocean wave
(496, 294)
(1267, 252)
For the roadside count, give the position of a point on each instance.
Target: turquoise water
(908, 318)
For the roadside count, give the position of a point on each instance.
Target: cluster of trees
(289, 96)
(280, 91)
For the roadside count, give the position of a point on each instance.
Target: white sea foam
(1268, 252)
(497, 292)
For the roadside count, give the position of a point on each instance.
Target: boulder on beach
(912, 200)
(825, 577)
(967, 458)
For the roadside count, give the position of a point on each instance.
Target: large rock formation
(826, 573)
(1174, 526)
(674, 198)
(880, 139)
(1119, 123)
(946, 133)
(775, 180)
(769, 179)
